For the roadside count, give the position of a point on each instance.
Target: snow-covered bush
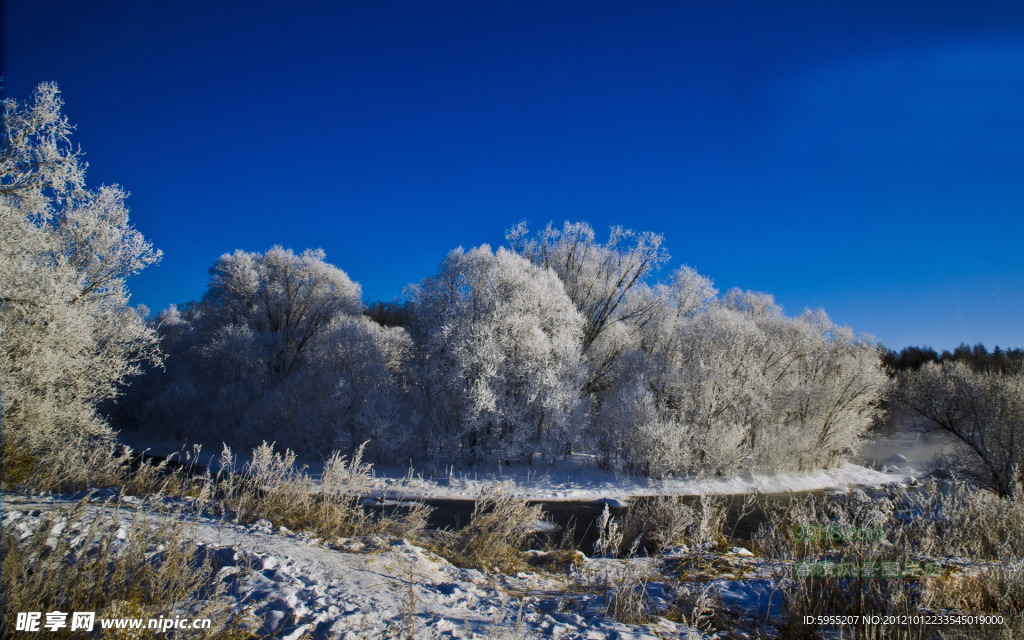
(653, 524)
(68, 338)
(499, 348)
(609, 536)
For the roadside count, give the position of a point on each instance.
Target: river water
(576, 521)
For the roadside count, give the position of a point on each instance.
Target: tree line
(977, 358)
(555, 343)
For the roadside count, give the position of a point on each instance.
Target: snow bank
(577, 479)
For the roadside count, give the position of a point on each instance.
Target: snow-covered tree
(68, 338)
(704, 390)
(983, 410)
(279, 349)
(500, 347)
(827, 385)
(282, 298)
(638, 421)
(729, 383)
(369, 368)
(597, 277)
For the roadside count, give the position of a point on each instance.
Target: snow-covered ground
(376, 587)
(897, 459)
(893, 460)
(576, 479)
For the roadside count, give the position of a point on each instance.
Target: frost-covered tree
(68, 338)
(827, 385)
(282, 298)
(598, 278)
(637, 421)
(374, 394)
(729, 383)
(279, 349)
(262, 336)
(500, 350)
(984, 410)
(606, 283)
(703, 388)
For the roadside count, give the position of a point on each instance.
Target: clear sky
(863, 157)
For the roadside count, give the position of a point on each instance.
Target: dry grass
(273, 487)
(651, 525)
(83, 461)
(697, 605)
(116, 564)
(627, 596)
(76, 462)
(813, 595)
(498, 528)
(954, 521)
(958, 519)
(113, 572)
(145, 566)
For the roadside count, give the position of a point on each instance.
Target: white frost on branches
(500, 343)
(68, 338)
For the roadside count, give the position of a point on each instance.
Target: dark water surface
(577, 520)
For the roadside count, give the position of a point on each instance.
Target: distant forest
(977, 357)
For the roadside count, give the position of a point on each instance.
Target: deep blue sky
(861, 157)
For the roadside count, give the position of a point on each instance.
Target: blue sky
(859, 157)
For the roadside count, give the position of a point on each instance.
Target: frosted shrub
(628, 600)
(273, 487)
(609, 538)
(654, 524)
(659, 522)
(78, 462)
(961, 520)
(373, 394)
(499, 526)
